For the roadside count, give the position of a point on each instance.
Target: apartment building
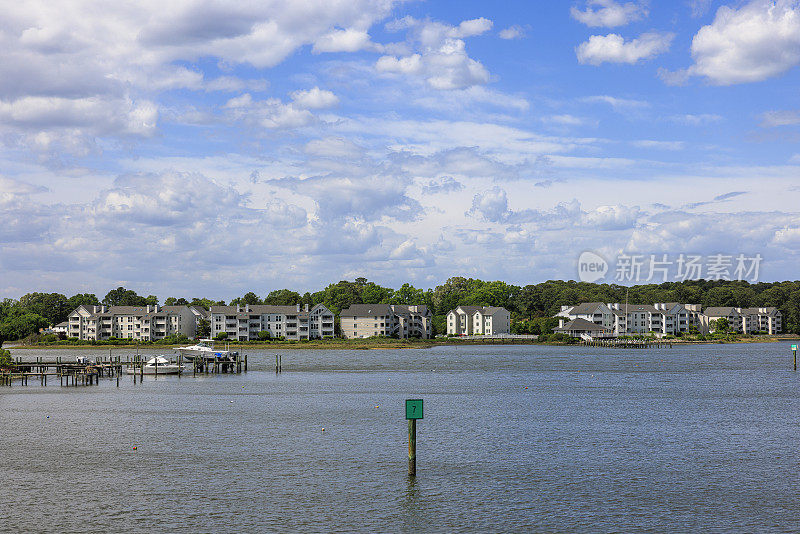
(478, 320)
(391, 320)
(620, 319)
(244, 322)
(142, 323)
(670, 318)
(744, 320)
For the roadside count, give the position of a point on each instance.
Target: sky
(206, 148)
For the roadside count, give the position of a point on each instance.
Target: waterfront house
(61, 328)
(391, 320)
(582, 328)
(245, 322)
(670, 318)
(478, 320)
(142, 323)
(744, 320)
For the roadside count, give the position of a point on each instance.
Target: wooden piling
(412, 447)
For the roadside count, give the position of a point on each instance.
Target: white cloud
(788, 237)
(618, 104)
(512, 32)
(349, 40)
(609, 14)
(445, 184)
(270, 113)
(492, 206)
(616, 217)
(612, 48)
(696, 119)
(440, 58)
(63, 66)
(232, 84)
(565, 120)
(333, 147)
(771, 119)
(477, 96)
(471, 28)
(759, 40)
(659, 145)
(699, 7)
(315, 98)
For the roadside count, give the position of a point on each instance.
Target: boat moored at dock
(158, 365)
(204, 350)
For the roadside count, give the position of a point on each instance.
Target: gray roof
(403, 308)
(255, 309)
(580, 325)
(643, 308)
(199, 310)
(585, 308)
(720, 311)
(364, 310)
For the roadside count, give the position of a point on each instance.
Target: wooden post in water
(412, 447)
(794, 353)
(413, 412)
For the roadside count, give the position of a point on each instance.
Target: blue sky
(210, 148)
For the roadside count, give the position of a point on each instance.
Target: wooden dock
(76, 373)
(616, 343)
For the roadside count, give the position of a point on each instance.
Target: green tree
(283, 297)
(125, 297)
(203, 328)
(372, 293)
(721, 325)
(53, 306)
(264, 335)
(340, 295)
(6, 361)
(205, 303)
(407, 294)
(20, 326)
(250, 299)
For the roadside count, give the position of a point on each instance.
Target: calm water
(700, 438)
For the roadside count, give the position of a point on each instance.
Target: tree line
(532, 306)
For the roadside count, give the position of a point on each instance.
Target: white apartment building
(670, 318)
(391, 320)
(244, 322)
(620, 319)
(745, 320)
(142, 323)
(478, 320)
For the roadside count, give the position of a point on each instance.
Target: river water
(515, 438)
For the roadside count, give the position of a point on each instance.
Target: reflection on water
(514, 439)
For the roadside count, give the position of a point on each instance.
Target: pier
(627, 343)
(88, 373)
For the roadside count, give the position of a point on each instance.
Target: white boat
(204, 349)
(157, 366)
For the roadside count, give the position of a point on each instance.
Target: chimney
(298, 307)
(247, 308)
(306, 308)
